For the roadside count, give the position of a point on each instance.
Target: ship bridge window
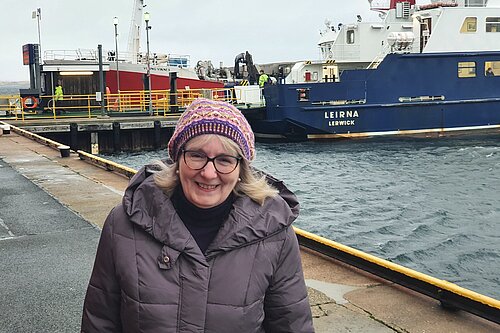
(350, 36)
(492, 68)
(467, 69)
(469, 25)
(493, 24)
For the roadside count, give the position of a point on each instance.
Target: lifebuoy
(30, 102)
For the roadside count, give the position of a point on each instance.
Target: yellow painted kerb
(443, 284)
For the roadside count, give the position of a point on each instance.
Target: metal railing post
(101, 80)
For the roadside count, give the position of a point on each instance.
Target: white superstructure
(441, 26)
(360, 43)
(405, 27)
(457, 28)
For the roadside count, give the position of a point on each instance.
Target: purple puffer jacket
(150, 276)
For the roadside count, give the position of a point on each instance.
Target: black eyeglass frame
(210, 159)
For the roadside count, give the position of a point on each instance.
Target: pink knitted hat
(205, 116)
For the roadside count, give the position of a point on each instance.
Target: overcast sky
(216, 30)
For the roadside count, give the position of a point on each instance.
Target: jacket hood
(150, 209)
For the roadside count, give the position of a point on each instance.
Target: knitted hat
(205, 116)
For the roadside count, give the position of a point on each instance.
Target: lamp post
(38, 15)
(148, 27)
(37, 82)
(115, 22)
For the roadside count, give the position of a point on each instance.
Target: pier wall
(108, 136)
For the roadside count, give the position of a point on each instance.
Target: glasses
(197, 160)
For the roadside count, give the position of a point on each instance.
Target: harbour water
(432, 205)
(12, 88)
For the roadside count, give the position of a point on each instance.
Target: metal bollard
(64, 150)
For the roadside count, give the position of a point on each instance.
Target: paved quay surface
(50, 212)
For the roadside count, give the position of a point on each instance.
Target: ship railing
(110, 55)
(375, 62)
(452, 3)
(341, 102)
(78, 54)
(124, 103)
(164, 101)
(172, 60)
(421, 99)
(156, 59)
(9, 104)
(380, 5)
(88, 54)
(379, 57)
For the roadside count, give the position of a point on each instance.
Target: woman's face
(206, 188)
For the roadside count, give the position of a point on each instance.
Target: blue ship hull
(407, 94)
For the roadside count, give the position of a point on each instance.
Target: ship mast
(134, 36)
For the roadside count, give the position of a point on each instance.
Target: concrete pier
(51, 209)
(105, 135)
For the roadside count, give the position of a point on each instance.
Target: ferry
(131, 70)
(430, 69)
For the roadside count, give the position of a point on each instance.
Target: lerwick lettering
(337, 115)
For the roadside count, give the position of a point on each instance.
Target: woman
(203, 244)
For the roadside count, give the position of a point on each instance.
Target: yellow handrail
(86, 105)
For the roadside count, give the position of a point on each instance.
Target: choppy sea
(432, 205)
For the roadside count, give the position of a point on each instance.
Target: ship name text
(341, 118)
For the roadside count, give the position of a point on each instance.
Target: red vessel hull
(136, 81)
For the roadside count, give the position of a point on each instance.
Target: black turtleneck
(202, 223)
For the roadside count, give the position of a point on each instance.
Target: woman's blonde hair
(253, 183)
